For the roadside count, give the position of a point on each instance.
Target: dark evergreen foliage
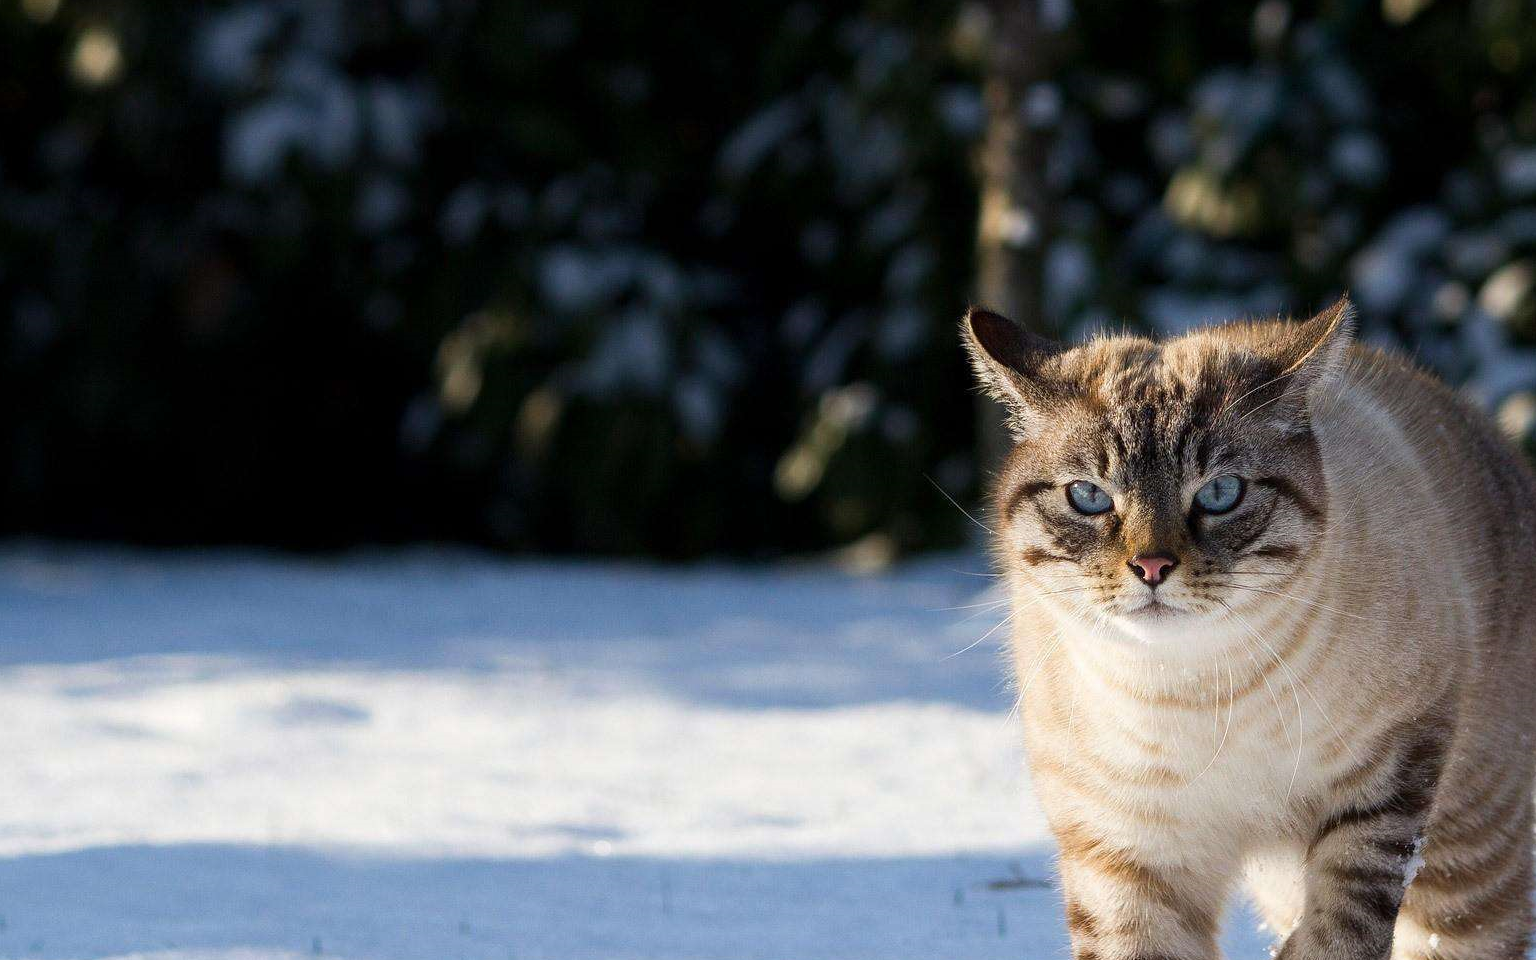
(680, 280)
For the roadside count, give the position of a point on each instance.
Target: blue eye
(1221, 494)
(1087, 498)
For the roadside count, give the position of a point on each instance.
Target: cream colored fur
(1178, 757)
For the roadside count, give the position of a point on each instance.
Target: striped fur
(1335, 685)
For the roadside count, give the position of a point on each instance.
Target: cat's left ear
(1311, 353)
(1323, 342)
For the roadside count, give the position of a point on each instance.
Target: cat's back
(1407, 419)
(1433, 491)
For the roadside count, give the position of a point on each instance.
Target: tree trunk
(1015, 213)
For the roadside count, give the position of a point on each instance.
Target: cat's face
(1156, 485)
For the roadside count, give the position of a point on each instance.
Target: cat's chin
(1156, 620)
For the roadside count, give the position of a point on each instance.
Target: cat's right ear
(1008, 361)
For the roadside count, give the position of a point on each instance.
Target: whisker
(993, 608)
(1273, 699)
(1289, 596)
(1074, 588)
(1034, 672)
(1231, 705)
(1254, 410)
(974, 643)
(957, 505)
(1308, 691)
(1248, 393)
(969, 606)
(1265, 573)
(1291, 679)
(1013, 712)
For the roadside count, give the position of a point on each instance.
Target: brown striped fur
(1334, 685)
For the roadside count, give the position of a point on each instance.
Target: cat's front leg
(1124, 905)
(1359, 859)
(1354, 890)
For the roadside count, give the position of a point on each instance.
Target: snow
(1517, 172)
(895, 220)
(464, 212)
(748, 147)
(259, 138)
(901, 331)
(1415, 863)
(1069, 275)
(632, 352)
(698, 407)
(960, 107)
(1383, 273)
(1043, 104)
(398, 114)
(1359, 158)
(382, 202)
(316, 114)
(433, 754)
(309, 105)
(228, 47)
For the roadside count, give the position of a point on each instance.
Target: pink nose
(1153, 568)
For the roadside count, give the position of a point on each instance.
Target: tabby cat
(1273, 619)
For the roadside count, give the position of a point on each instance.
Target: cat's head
(1156, 484)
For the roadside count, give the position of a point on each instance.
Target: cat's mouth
(1154, 610)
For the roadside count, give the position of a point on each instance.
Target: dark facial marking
(1282, 551)
(1074, 537)
(1287, 489)
(1119, 442)
(1034, 556)
(1251, 528)
(1203, 454)
(1021, 493)
(1182, 441)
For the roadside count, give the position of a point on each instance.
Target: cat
(1273, 617)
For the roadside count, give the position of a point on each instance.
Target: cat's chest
(1243, 761)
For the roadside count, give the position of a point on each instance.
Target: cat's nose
(1153, 568)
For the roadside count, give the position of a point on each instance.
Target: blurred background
(581, 276)
(370, 307)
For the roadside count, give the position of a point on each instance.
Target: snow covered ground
(432, 755)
